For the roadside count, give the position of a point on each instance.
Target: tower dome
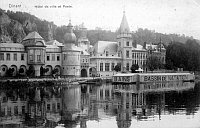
(69, 36)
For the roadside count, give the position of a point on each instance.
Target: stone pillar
(37, 70)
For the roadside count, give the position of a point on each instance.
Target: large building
(76, 57)
(36, 57)
(105, 55)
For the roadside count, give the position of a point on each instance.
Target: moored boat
(152, 77)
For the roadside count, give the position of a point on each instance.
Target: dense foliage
(134, 67)
(186, 56)
(48, 30)
(182, 51)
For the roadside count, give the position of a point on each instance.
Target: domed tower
(125, 42)
(71, 54)
(83, 40)
(35, 47)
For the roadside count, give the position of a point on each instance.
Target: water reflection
(118, 106)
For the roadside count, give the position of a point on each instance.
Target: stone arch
(41, 71)
(59, 69)
(83, 73)
(14, 67)
(93, 71)
(22, 70)
(31, 71)
(49, 70)
(3, 70)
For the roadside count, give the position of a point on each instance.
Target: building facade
(105, 55)
(76, 57)
(33, 56)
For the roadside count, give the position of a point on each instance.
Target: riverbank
(35, 82)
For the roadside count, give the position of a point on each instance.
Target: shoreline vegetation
(41, 82)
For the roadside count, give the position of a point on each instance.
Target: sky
(165, 16)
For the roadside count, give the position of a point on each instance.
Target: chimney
(144, 45)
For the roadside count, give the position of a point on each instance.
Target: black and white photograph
(100, 64)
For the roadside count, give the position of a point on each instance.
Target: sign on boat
(151, 77)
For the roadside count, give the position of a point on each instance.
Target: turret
(125, 42)
(69, 36)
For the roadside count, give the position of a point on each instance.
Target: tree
(55, 71)
(193, 52)
(43, 71)
(176, 55)
(153, 63)
(117, 68)
(30, 71)
(10, 72)
(134, 67)
(186, 56)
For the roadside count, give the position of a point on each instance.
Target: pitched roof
(101, 46)
(124, 27)
(33, 35)
(54, 42)
(11, 45)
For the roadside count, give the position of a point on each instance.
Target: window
(9, 111)
(38, 57)
(133, 55)
(38, 54)
(127, 43)
(101, 93)
(65, 56)
(58, 106)
(48, 57)
(8, 56)
(58, 57)
(101, 66)
(23, 109)
(127, 54)
(106, 53)
(48, 106)
(127, 66)
(113, 66)
(31, 57)
(15, 57)
(107, 65)
(22, 56)
(1, 56)
(15, 110)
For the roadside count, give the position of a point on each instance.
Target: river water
(152, 105)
